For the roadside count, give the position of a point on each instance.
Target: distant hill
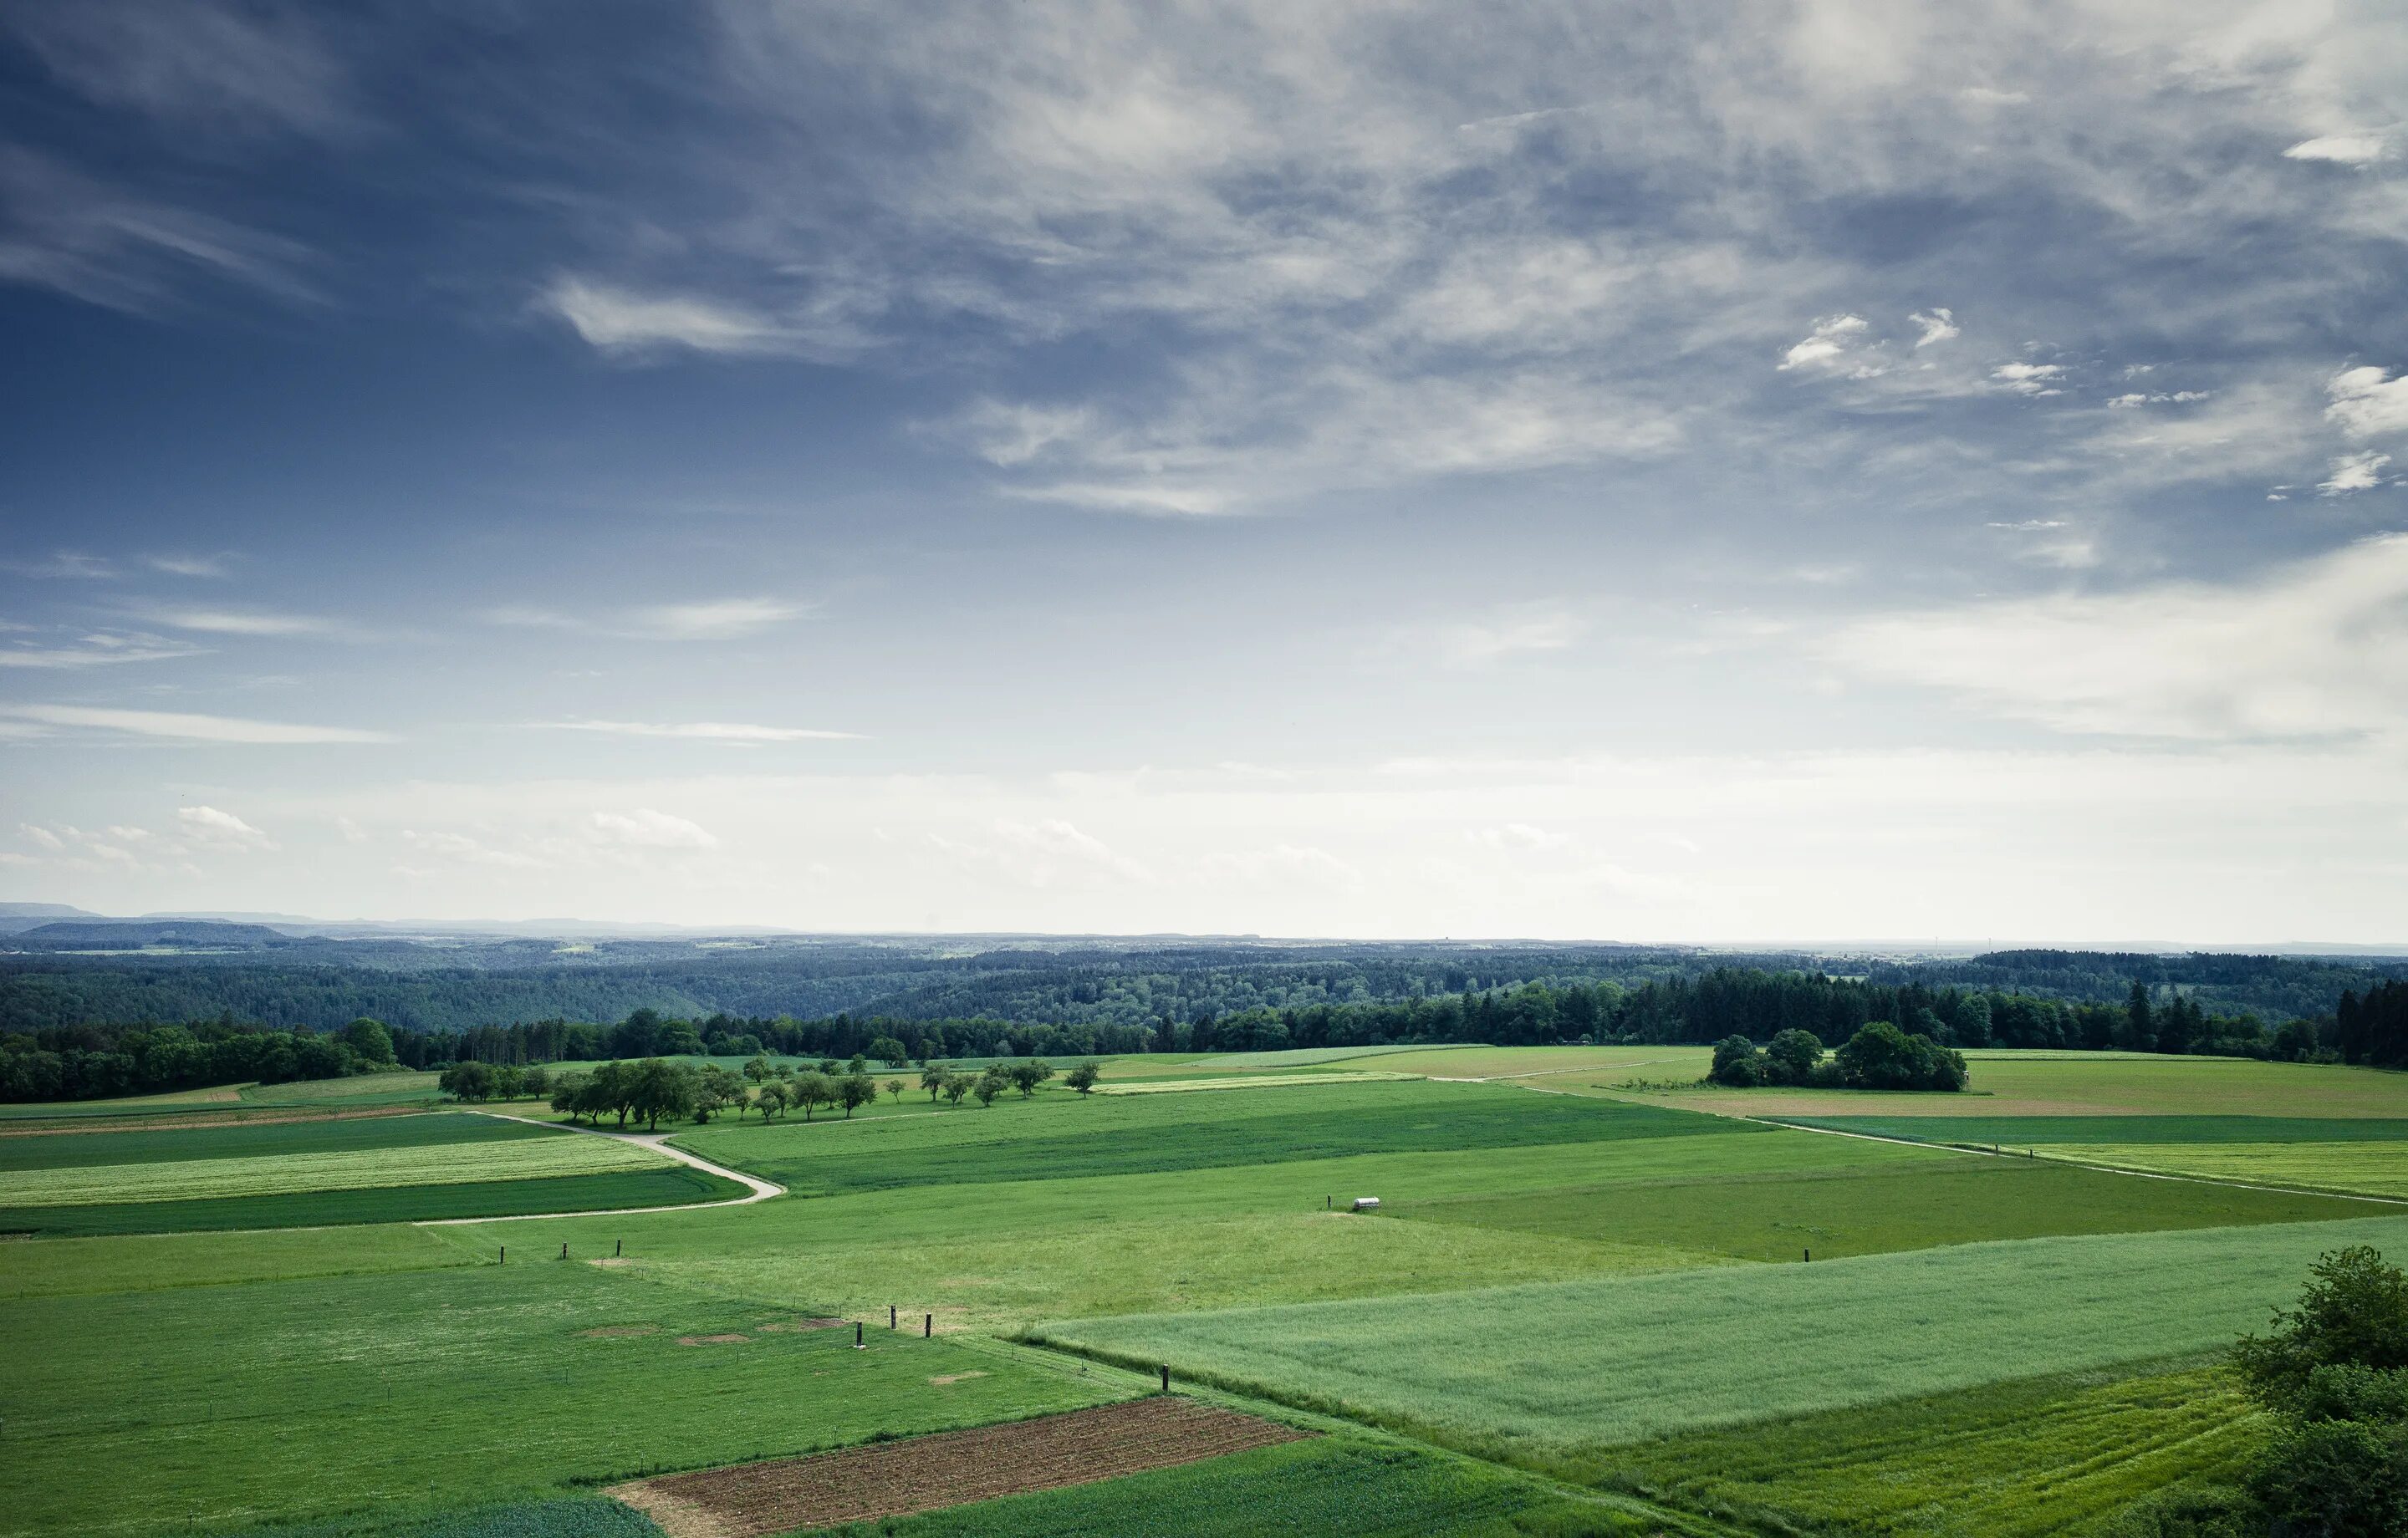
(24, 916)
(134, 933)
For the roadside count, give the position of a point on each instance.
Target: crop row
(441, 1164)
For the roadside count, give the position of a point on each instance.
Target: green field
(1553, 1375)
(658, 1185)
(1339, 1487)
(1061, 1136)
(1594, 1288)
(2054, 1084)
(594, 1516)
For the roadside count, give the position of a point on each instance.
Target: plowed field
(949, 1469)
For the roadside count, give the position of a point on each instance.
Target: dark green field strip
(78, 1150)
(381, 1204)
(1281, 1126)
(1876, 1211)
(1336, 1486)
(2046, 1455)
(2025, 1131)
(592, 1516)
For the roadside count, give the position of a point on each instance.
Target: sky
(1797, 470)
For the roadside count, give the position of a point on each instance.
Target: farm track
(950, 1467)
(757, 1190)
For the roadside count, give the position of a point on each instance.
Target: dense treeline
(87, 1062)
(460, 987)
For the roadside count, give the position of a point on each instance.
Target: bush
(1791, 1058)
(1736, 1064)
(2335, 1368)
(1880, 1055)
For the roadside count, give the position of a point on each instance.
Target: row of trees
(1880, 1055)
(155, 1060)
(2372, 1027)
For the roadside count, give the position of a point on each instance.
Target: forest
(94, 1060)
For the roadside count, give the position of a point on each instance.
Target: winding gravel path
(757, 1190)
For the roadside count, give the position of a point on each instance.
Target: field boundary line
(757, 1190)
(2029, 1158)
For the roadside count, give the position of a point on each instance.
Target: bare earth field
(949, 1469)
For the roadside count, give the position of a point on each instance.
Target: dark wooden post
(928, 1327)
(1166, 1377)
(890, 1315)
(617, 1247)
(856, 1334)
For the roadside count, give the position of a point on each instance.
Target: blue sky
(1777, 472)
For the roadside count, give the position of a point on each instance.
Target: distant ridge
(134, 933)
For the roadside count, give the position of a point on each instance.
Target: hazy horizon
(1804, 468)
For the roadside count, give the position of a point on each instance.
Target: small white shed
(1367, 1203)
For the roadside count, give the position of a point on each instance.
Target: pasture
(1575, 1313)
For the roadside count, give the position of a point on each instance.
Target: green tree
(716, 1089)
(569, 1095)
(664, 1088)
(2353, 1311)
(932, 1078)
(758, 1069)
(856, 1090)
(1027, 1075)
(893, 1053)
(895, 1089)
(1790, 1056)
(2334, 1370)
(470, 1081)
(1082, 1077)
(811, 1090)
(957, 1086)
(369, 1040)
(990, 1084)
(771, 1098)
(1736, 1062)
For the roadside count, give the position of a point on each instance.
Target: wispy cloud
(647, 829)
(188, 727)
(2340, 149)
(188, 565)
(2320, 646)
(95, 648)
(1510, 632)
(734, 732)
(69, 565)
(701, 619)
(220, 829)
(238, 621)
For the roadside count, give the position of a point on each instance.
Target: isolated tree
(893, 1053)
(1026, 1075)
(2335, 1373)
(856, 1090)
(536, 1081)
(1082, 1077)
(771, 1098)
(990, 1084)
(758, 1069)
(895, 1089)
(932, 1078)
(810, 1091)
(957, 1086)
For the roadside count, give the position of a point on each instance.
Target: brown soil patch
(957, 1377)
(949, 1469)
(612, 1332)
(798, 1327)
(712, 1340)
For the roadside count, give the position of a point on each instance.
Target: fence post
(928, 1327)
(856, 1336)
(563, 1251)
(1166, 1377)
(1810, 1254)
(506, 1255)
(617, 1247)
(890, 1315)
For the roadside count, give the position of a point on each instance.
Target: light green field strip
(521, 1158)
(2376, 1169)
(1252, 1081)
(1552, 1372)
(1305, 1057)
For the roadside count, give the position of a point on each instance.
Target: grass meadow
(1576, 1313)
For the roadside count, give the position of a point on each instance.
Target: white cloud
(2354, 472)
(220, 829)
(1983, 96)
(42, 837)
(1058, 839)
(69, 565)
(237, 621)
(2317, 648)
(2366, 401)
(1283, 865)
(1510, 631)
(187, 565)
(97, 648)
(649, 830)
(468, 851)
(1836, 342)
(736, 731)
(2029, 379)
(2341, 148)
(617, 321)
(715, 619)
(189, 728)
(1939, 325)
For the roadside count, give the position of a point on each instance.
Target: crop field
(1250, 1081)
(1583, 1312)
(2053, 1084)
(1061, 1137)
(350, 1169)
(1553, 1373)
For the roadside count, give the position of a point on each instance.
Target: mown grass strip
(541, 1156)
(665, 1185)
(1550, 1374)
(1250, 1081)
(594, 1516)
(2376, 1169)
(2023, 1132)
(237, 1140)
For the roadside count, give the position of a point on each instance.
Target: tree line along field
(1575, 1313)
